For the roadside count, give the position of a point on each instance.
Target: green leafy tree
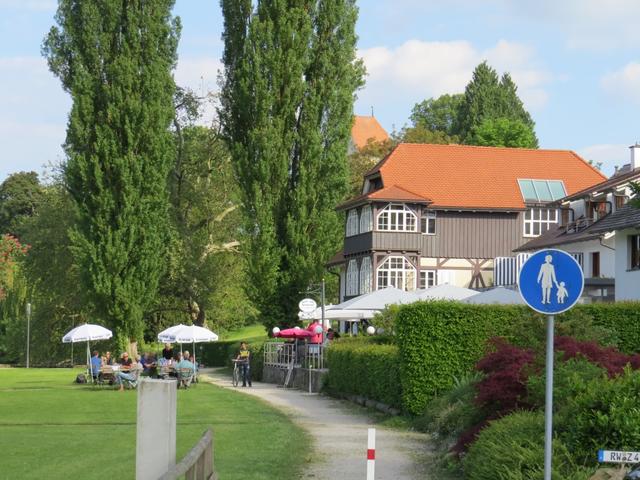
(362, 160)
(206, 222)
(437, 114)
(286, 109)
(421, 134)
(503, 132)
(115, 59)
(487, 97)
(20, 195)
(50, 279)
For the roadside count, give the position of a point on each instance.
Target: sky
(576, 64)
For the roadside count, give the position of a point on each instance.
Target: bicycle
(236, 372)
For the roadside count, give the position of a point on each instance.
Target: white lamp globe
(318, 330)
(275, 330)
(371, 329)
(296, 328)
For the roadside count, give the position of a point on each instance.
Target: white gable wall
(627, 282)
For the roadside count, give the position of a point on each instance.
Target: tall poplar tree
(115, 59)
(287, 102)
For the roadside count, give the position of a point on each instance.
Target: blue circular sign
(551, 281)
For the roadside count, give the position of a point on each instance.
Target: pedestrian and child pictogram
(551, 281)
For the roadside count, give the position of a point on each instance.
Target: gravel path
(339, 432)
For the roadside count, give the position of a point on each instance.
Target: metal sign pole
(548, 410)
(28, 331)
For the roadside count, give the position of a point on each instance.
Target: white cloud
(426, 69)
(624, 83)
(199, 74)
(610, 155)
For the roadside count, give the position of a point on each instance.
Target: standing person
(167, 352)
(244, 360)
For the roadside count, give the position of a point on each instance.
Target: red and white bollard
(371, 454)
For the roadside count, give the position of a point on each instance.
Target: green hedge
(364, 368)
(439, 341)
(219, 354)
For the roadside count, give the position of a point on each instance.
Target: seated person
(127, 371)
(185, 370)
(107, 360)
(96, 364)
(167, 352)
(148, 364)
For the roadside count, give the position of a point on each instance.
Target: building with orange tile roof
(434, 214)
(364, 130)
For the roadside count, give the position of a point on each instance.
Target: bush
(364, 368)
(570, 379)
(451, 413)
(512, 448)
(442, 340)
(606, 415)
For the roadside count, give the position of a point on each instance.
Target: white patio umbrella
(166, 334)
(192, 334)
(498, 295)
(87, 333)
(445, 292)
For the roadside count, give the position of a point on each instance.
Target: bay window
(396, 272)
(397, 217)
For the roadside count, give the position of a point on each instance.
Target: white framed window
(427, 278)
(366, 219)
(396, 272)
(397, 217)
(352, 223)
(538, 220)
(365, 275)
(352, 278)
(428, 222)
(579, 256)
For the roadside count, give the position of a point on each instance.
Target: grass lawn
(51, 428)
(250, 332)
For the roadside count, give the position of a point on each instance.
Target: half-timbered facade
(434, 214)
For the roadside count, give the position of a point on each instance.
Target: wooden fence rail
(197, 464)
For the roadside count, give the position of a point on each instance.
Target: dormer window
(397, 217)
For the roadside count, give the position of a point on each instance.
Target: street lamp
(28, 311)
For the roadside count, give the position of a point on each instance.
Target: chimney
(635, 156)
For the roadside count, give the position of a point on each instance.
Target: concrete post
(156, 431)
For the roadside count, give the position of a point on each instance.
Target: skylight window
(541, 190)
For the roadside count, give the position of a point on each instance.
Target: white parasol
(87, 333)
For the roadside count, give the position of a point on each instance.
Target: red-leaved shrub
(609, 358)
(504, 387)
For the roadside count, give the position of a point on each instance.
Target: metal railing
(197, 464)
(314, 358)
(289, 355)
(280, 354)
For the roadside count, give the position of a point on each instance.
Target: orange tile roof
(394, 192)
(365, 129)
(464, 176)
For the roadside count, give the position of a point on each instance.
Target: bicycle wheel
(236, 376)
